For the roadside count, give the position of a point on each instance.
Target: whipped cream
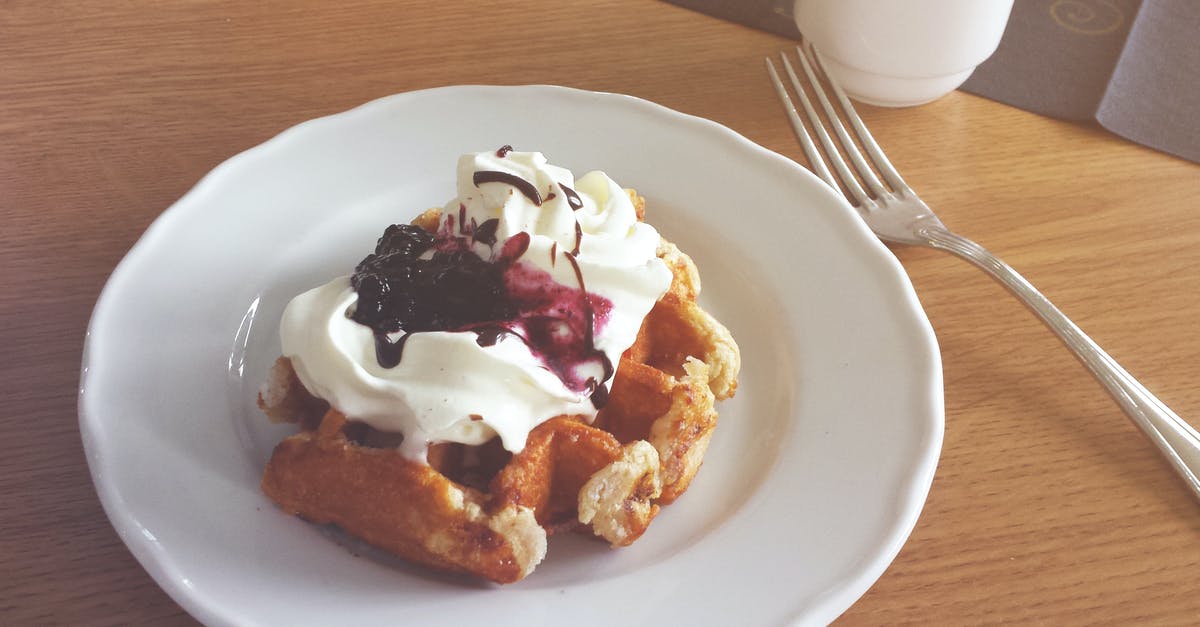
(452, 385)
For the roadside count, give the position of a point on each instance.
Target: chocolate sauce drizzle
(573, 198)
(486, 233)
(489, 335)
(387, 352)
(576, 203)
(599, 394)
(494, 176)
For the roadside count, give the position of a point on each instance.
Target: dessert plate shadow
(816, 474)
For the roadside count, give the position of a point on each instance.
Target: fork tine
(851, 150)
(868, 141)
(835, 157)
(810, 149)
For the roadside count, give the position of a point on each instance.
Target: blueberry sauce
(398, 290)
(454, 289)
(559, 324)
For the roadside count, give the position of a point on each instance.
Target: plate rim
(839, 595)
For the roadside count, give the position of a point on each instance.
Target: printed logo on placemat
(1087, 17)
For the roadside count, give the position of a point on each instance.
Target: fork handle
(1177, 440)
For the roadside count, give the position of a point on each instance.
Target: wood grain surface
(1048, 506)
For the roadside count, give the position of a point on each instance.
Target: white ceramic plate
(816, 474)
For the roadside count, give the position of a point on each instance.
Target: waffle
(483, 511)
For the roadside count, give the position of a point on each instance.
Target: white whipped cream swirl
(449, 388)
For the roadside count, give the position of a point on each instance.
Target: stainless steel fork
(896, 214)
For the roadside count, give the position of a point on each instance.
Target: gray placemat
(1056, 58)
(1153, 97)
(1131, 66)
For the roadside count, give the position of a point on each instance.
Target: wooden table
(1048, 506)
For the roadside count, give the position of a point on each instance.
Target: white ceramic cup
(898, 53)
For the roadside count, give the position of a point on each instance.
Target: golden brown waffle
(483, 511)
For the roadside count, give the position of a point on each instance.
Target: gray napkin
(1130, 65)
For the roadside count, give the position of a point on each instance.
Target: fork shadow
(1070, 407)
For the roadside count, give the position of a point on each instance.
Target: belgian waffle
(483, 511)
